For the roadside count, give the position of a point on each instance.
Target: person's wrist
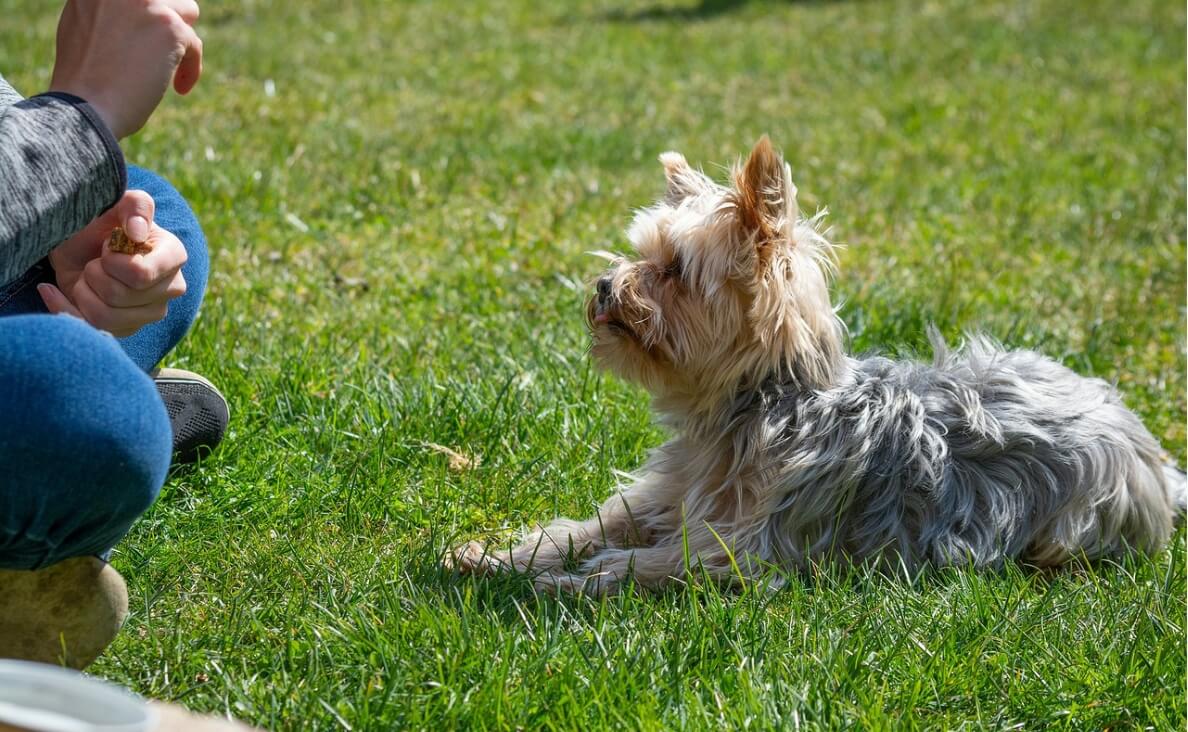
(109, 118)
(98, 103)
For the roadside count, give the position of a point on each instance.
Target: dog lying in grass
(787, 451)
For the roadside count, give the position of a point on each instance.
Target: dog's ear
(683, 181)
(764, 196)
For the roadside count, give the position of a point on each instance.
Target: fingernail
(137, 229)
(47, 296)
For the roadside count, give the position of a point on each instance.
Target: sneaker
(198, 413)
(64, 614)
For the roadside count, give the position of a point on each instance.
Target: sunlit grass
(399, 198)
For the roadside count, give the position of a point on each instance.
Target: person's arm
(60, 164)
(60, 167)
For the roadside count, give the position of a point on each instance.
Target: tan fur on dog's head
(729, 287)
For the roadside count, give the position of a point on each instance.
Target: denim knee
(84, 439)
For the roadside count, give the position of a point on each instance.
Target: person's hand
(118, 293)
(120, 55)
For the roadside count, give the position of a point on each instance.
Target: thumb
(134, 213)
(57, 302)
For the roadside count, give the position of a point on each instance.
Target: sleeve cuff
(115, 155)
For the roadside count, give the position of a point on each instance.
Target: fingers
(118, 295)
(120, 322)
(133, 212)
(56, 302)
(108, 305)
(190, 69)
(145, 271)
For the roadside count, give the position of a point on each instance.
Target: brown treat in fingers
(119, 242)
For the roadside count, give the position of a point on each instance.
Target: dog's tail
(1177, 489)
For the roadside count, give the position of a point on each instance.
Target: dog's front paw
(592, 585)
(471, 558)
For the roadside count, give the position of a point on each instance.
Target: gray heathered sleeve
(60, 167)
(8, 95)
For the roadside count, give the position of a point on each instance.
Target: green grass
(398, 240)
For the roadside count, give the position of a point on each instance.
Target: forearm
(60, 167)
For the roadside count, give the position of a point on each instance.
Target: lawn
(400, 198)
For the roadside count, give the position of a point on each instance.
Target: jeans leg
(84, 441)
(20, 297)
(149, 345)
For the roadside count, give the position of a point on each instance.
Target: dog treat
(119, 242)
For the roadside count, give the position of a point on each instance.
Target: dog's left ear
(764, 196)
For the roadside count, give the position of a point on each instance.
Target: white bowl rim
(133, 709)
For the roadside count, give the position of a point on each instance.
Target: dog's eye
(673, 269)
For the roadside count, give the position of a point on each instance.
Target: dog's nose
(604, 289)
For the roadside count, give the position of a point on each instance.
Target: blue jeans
(85, 441)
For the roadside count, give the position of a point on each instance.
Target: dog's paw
(592, 585)
(470, 558)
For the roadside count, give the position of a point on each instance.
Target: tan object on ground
(64, 614)
(119, 242)
(173, 718)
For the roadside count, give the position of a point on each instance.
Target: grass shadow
(704, 10)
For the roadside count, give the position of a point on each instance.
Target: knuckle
(140, 274)
(157, 10)
(103, 288)
(99, 282)
(168, 20)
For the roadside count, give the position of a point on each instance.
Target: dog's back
(983, 455)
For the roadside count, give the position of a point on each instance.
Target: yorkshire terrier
(787, 452)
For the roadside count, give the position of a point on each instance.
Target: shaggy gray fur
(981, 456)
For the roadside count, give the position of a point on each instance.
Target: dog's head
(727, 287)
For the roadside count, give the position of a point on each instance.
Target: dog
(788, 452)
